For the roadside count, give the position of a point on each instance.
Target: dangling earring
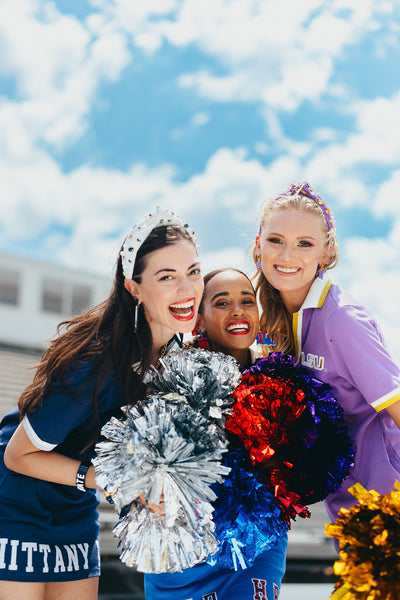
(136, 317)
(258, 263)
(263, 339)
(321, 271)
(202, 338)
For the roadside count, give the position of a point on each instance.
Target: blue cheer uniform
(48, 531)
(261, 581)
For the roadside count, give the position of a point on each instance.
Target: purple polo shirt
(341, 343)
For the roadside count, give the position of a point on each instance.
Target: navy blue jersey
(48, 531)
(261, 581)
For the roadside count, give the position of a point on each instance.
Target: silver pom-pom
(206, 379)
(152, 547)
(113, 460)
(165, 450)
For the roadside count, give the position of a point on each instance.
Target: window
(52, 297)
(81, 299)
(9, 286)
(65, 298)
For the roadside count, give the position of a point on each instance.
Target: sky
(208, 107)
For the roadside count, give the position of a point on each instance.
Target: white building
(35, 297)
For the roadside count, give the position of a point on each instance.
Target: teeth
(188, 304)
(287, 269)
(238, 326)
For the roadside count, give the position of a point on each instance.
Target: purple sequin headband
(305, 189)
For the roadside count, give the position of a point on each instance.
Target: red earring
(263, 339)
(202, 339)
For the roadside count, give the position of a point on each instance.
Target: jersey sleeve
(68, 405)
(361, 357)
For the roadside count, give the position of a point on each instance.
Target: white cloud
(39, 194)
(57, 64)
(370, 272)
(279, 53)
(226, 257)
(387, 202)
(135, 19)
(200, 119)
(374, 141)
(34, 49)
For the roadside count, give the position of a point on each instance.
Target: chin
(243, 345)
(185, 327)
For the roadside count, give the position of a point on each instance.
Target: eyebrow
(300, 237)
(166, 269)
(244, 293)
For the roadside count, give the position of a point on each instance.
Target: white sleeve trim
(34, 438)
(387, 400)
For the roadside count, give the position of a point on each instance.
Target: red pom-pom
(264, 416)
(293, 431)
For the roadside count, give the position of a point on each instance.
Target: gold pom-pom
(369, 544)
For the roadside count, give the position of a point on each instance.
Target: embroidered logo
(313, 361)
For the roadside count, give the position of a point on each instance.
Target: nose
(286, 252)
(185, 286)
(237, 309)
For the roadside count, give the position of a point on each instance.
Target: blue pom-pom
(247, 519)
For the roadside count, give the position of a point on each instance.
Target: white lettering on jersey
(16, 555)
(313, 361)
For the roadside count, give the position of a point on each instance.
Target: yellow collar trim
(315, 299)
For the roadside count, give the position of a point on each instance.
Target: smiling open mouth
(238, 328)
(286, 270)
(183, 311)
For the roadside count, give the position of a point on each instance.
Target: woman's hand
(155, 508)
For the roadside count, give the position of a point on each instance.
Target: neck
(293, 301)
(158, 352)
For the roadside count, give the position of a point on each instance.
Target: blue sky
(108, 108)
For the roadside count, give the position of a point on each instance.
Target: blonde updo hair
(275, 318)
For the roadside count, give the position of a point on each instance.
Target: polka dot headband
(139, 233)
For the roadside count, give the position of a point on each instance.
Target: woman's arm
(360, 356)
(23, 457)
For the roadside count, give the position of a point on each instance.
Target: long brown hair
(104, 335)
(275, 318)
